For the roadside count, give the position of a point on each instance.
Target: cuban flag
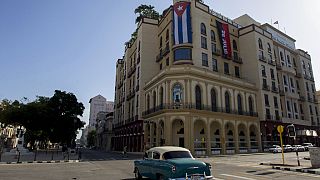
(182, 23)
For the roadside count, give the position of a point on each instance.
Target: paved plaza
(98, 165)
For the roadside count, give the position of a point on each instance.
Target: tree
(146, 11)
(91, 138)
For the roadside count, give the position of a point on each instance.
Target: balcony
(200, 107)
(237, 59)
(266, 87)
(298, 75)
(131, 94)
(216, 52)
(138, 59)
(308, 78)
(271, 62)
(278, 66)
(262, 58)
(302, 98)
(274, 89)
(132, 70)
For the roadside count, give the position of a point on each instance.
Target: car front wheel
(137, 174)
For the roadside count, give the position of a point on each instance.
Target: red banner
(223, 30)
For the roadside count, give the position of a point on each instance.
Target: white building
(98, 104)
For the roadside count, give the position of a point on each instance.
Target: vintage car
(173, 163)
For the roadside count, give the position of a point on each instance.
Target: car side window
(150, 155)
(156, 155)
(145, 155)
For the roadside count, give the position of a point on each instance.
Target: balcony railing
(302, 98)
(132, 70)
(237, 59)
(266, 87)
(262, 58)
(216, 51)
(191, 106)
(131, 94)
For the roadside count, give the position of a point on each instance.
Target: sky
(73, 45)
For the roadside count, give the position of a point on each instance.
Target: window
(234, 44)
(213, 48)
(205, 59)
(204, 42)
(239, 104)
(310, 109)
(269, 48)
(263, 70)
(260, 44)
(160, 66)
(281, 56)
(161, 96)
(156, 155)
(237, 71)
(250, 105)
(213, 36)
(177, 93)
(167, 62)
(213, 100)
(288, 59)
(214, 64)
(167, 35)
(148, 102)
(182, 54)
(160, 41)
(285, 82)
(266, 100)
(275, 101)
(276, 112)
(288, 106)
(226, 68)
(264, 83)
(154, 99)
(203, 29)
(227, 102)
(198, 97)
(307, 86)
(297, 84)
(301, 109)
(272, 73)
(295, 107)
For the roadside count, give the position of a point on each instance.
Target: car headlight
(209, 165)
(173, 168)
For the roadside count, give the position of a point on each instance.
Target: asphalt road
(113, 166)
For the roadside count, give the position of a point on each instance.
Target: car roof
(163, 149)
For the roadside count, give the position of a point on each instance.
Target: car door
(156, 168)
(147, 165)
(142, 164)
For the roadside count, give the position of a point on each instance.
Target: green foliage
(146, 11)
(91, 138)
(55, 119)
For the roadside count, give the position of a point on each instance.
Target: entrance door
(181, 142)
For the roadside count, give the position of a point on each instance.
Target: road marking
(214, 178)
(239, 177)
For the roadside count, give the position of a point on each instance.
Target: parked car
(275, 149)
(298, 148)
(170, 162)
(287, 148)
(307, 145)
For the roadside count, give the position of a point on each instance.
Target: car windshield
(177, 154)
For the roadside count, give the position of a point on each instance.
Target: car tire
(137, 174)
(160, 177)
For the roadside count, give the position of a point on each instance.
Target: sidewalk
(39, 156)
(292, 165)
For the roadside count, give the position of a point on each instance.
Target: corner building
(193, 79)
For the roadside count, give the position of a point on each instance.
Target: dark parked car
(169, 162)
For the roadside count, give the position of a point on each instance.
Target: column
(236, 137)
(208, 138)
(248, 138)
(167, 131)
(223, 138)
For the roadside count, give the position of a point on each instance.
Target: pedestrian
(125, 151)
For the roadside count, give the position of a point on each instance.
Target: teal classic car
(171, 163)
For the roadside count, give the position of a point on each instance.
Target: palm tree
(146, 11)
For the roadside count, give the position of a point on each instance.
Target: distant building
(104, 130)
(98, 104)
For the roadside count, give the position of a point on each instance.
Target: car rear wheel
(137, 174)
(160, 177)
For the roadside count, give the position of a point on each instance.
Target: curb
(39, 162)
(310, 171)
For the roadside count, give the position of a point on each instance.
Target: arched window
(260, 44)
(148, 102)
(177, 93)
(167, 35)
(154, 99)
(203, 29)
(269, 48)
(281, 56)
(213, 36)
(227, 102)
(250, 105)
(139, 46)
(160, 41)
(240, 110)
(161, 97)
(213, 100)
(198, 97)
(234, 44)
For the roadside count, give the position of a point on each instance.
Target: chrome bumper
(193, 178)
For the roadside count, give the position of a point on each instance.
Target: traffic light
(291, 131)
